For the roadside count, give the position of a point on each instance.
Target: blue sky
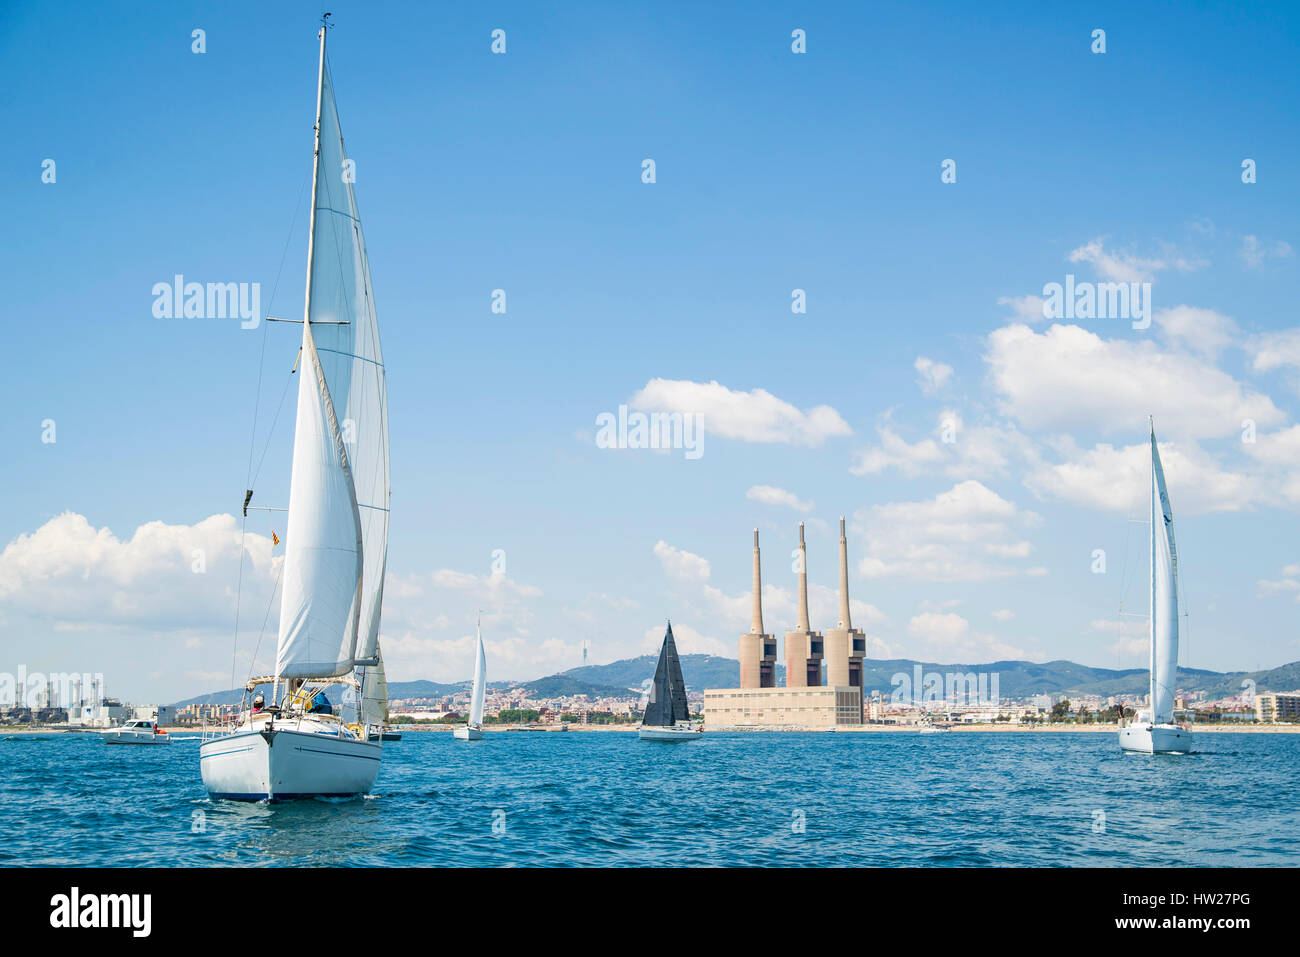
(775, 171)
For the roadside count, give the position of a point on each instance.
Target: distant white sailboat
(667, 715)
(1153, 731)
(373, 706)
(473, 730)
(337, 536)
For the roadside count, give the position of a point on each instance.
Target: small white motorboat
(137, 732)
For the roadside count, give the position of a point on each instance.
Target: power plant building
(804, 702)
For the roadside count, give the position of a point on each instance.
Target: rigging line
(271, 434)
(252, 662)
(252, 438)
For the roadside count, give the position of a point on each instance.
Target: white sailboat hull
(465, 733)
(1155, 739)
(672, 733)
(259, 765)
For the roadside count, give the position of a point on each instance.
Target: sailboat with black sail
(667, 716)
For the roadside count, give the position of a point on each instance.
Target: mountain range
(1016, 679)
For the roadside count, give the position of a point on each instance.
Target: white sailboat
(1154, 731)
(336, 540)
(373, 705)
(667, 715)
(473, 730)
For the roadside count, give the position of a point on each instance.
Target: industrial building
(804, 702)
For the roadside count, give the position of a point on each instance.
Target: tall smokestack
(804, 650)
(844, 580)
(803, 582)
(757, 650)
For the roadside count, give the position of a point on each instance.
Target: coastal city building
(1280, 706)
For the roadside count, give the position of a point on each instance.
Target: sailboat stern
(1155, 739)
(275, 764)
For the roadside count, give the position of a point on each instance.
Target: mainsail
(1164, 596)
(321, 601)
(480, 683)
(667, 703)
(342, 302)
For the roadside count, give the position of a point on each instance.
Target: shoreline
(752, 729)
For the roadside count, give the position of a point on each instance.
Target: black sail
(667, 704)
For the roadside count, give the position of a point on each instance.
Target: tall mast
(1152, 625)
(315, 176)
(311, 236)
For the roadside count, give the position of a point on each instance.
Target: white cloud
(1125, 266)
(1275, 350)
(1132, 638)
(1118, 479)
(1289, 583)
(933, 375)
(1069, 378)
(946, 538)
(689, 641)
(1255, 252)
(947, 637)
(976, 452)
(1027, 309)
(680, 564)
(755, 416)
(1004, 614)
(771, 495)
(1201, 330)
(182, 577)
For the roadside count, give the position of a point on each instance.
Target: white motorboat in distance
(137, 732)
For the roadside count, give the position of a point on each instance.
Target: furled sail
(341, 300)
(374, 695)
(480, 684)
(667, 704)
(1164, 596)
(321, 601)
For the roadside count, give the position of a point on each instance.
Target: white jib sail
(321, 600)
(480, 682)
(374, 696)
(1164, 596)
(348, 342)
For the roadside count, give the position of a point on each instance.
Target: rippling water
(728, 799)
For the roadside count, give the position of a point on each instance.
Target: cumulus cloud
(932, 375)
(163, 576)
(1068, 378)
(947, 636)
(1027, 309)
(968, 533)
(754, 416)
(771, 495)
(1118, 479)
(955, 451)
(1201, 330)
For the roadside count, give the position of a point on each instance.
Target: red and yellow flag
(275, 539)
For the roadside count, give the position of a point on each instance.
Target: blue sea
(784, 799)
